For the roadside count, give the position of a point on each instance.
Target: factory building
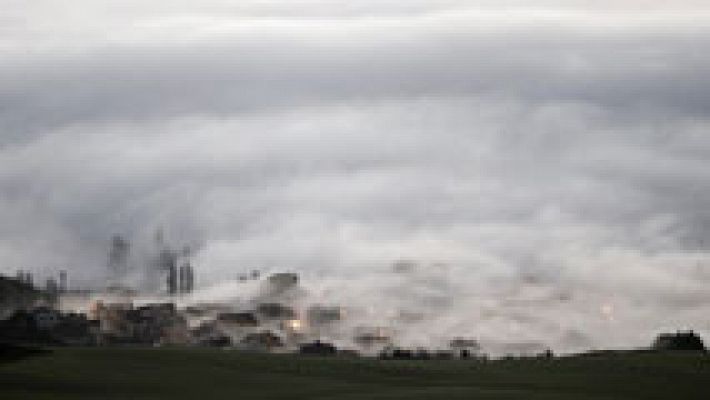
(168, 271)
(282, 281)
(158, 323)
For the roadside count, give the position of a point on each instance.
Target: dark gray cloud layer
(547, 152)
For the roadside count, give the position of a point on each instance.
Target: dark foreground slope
(164, 373)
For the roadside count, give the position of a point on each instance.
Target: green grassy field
(191, 373)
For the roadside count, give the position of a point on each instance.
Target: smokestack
(25, 277)
(118, 257)
(167, 264)
(187, 278)
(63, 285)
(172, 279)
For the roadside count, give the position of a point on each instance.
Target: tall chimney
(63, 286)
(187, 278)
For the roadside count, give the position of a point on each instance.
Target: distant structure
(167, 270)
(321, 315)
(265, 340)
(186, 274)
(318, 348)
(25, 277)
(187, 278)
(178, 279)
(404, 266)
(282, 281)
(51, 286)
(252, 275)
(167, 263)
(275, 311)
(63, 283)
(682, 340)
(465, 348)
(17, 294)
(118, 258)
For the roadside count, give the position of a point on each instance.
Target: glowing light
(607, 310)
(295, 324)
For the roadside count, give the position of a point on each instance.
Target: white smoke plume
(545, 165)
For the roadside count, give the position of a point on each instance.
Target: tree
(688, 340)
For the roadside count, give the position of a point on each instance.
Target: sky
(546, 163)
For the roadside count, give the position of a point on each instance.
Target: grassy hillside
(173, 373)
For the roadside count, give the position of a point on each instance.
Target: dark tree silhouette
(678, 341)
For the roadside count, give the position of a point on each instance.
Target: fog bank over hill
(545, 164)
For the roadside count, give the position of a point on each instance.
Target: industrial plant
(153, 303)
